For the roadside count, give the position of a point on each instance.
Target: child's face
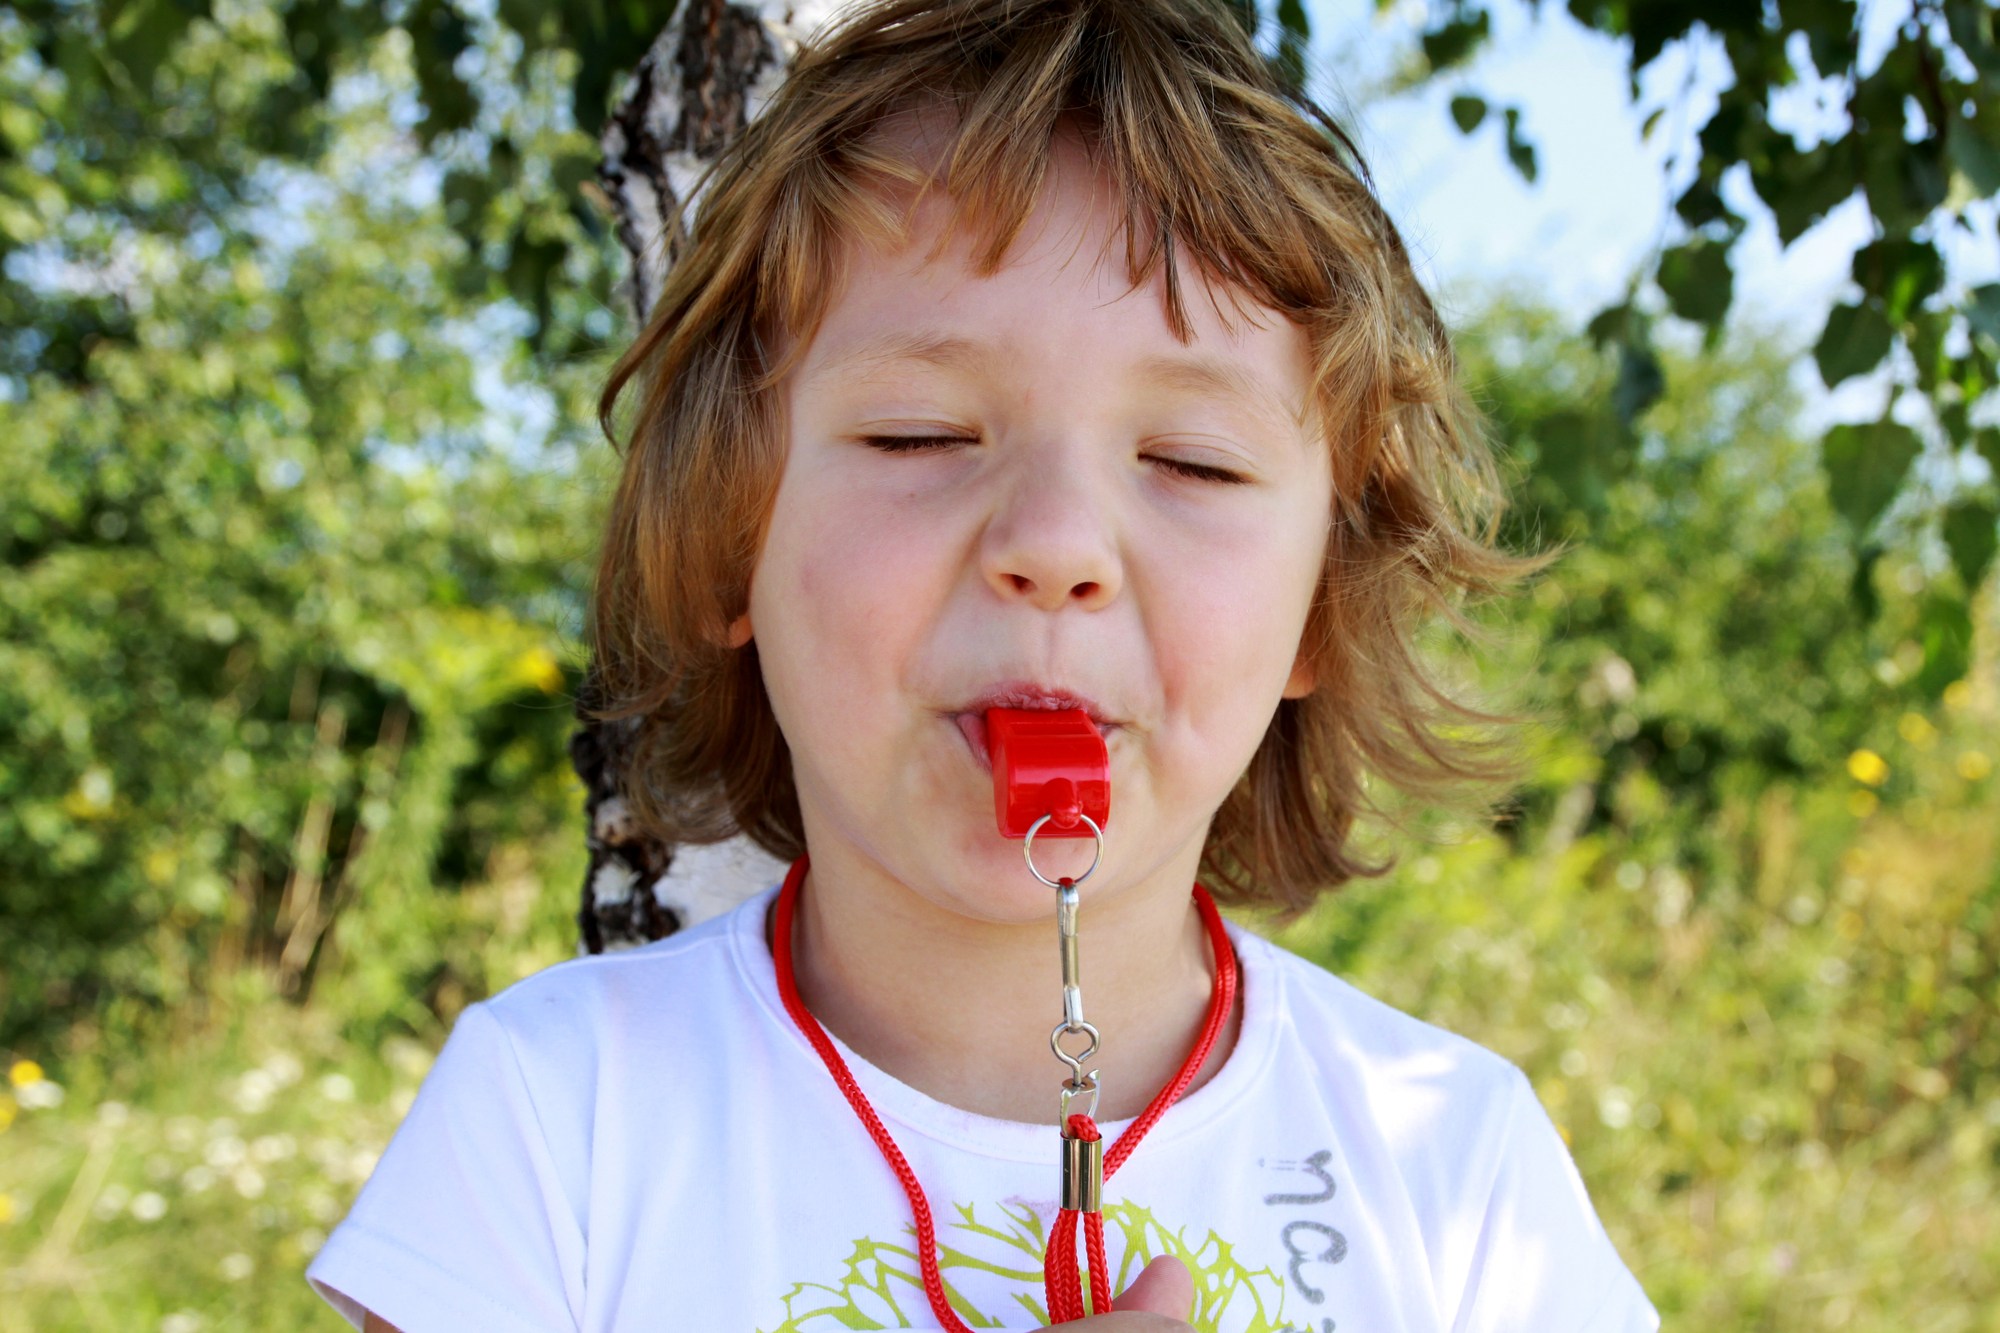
(1046, 537)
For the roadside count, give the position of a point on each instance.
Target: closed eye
(907, 444)
(1180, 467)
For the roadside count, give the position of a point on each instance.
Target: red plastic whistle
(1047, 763)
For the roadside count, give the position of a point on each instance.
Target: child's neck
(961, 1009)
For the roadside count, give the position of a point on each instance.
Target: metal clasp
(1079, 1082)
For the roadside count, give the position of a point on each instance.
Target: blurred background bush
(302, 488)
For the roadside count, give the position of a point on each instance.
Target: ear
(1304, 677)
(738, 632)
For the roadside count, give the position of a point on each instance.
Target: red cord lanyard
(1082, 1144)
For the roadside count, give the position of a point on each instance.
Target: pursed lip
(970, 716)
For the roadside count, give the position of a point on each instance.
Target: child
(1034, 354)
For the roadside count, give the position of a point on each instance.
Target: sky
(1602, 202)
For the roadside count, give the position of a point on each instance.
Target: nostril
(1084, 591)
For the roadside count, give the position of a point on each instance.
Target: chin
(992, 881)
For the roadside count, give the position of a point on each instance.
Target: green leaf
(1861, 590)
(1987, 442)
(1855, 340)
(1902, 272)
(1801, 187)
(1697, 280)
(1976, 156)
(1641, 381)
(1946, 632)
(1455, 40)
(1865, 465)
(1610, 325)
(142, 33)
(1832, 40)
(1925, 337)
(1971, 531)
(1519, 151)
(439, 34)
(1467, 112)
(1983, 310)
(1972, 28)
(1699, 205)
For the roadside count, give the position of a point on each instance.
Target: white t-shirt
(644, 1141)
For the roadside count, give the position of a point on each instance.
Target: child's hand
(1158, 1301)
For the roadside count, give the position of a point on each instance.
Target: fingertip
(1165, 1287)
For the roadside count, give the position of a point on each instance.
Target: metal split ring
(1075, 1062)
(1028, 851)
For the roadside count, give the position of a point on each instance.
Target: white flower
(149, 1207)
(274, 1148)
(235, 1267)
(337, 1088)
(284, 1069)
(42, 1095)
(253, 1091)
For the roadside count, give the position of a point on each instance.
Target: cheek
(1234, 605)
(842, 586)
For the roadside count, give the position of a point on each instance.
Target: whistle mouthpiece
(1047, 763)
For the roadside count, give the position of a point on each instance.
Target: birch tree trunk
(708, 73)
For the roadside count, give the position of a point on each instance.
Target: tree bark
(707, 75)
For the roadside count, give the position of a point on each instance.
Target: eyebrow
(937, 349)
(1216, 377)
(1194, 373)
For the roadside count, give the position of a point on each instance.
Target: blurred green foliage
(289, 570)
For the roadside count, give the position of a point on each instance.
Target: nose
(1051, 541)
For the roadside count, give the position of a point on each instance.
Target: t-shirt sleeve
(464, 1223)
(1543, 1260)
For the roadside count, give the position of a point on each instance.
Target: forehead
(922, 299)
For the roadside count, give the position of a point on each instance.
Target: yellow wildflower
(1868, 767)
(1917, 730)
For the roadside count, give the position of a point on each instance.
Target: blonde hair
(1212, 160)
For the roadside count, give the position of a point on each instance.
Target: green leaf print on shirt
(880, 1285)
